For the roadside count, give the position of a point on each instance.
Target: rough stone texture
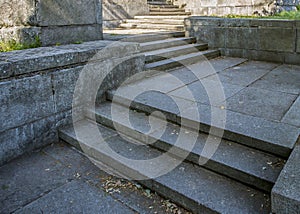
(60, 179)
(115, 11)
(286, 193)
(257, 39)
(222, 7)
(259, 102)
(37, 88)
(25, 20)
(292, 116)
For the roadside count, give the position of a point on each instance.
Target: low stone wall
(224, 7)
(37, 87)
(53, 21)
(286, 192)
(115, 11)
(257, 39)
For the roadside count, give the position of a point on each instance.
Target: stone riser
(248, 170)
(152, 26)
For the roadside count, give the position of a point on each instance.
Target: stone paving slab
(293, 114)
(59, 179)
(206, 92)
(285, 78)
(267, 104)
(246, 73)
(76, 197)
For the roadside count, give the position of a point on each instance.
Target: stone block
(277, 39)
(67, 12)
(5, 70)
(286, 192)
(17, 12)
(25, 100)
(270, 56)
(298, 40)
(292, 58)
(23, 34)
(63, 85)
(241, 38)
(70, 34)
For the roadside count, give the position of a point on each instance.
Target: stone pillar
(52, 21)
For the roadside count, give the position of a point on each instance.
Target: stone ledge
(286, 192)
(17, 63)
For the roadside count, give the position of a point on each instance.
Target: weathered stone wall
(37, 87)
(114, 11)
(53, 21)
(287, 4)
(258, 39)
(224, 7)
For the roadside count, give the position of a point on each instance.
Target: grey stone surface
(206, 92)
(70, 12)
(223, 63)
(285, 78)
(76, 197)
(286, 194)
(261, 103)
(28, 19)
(256, 39)
(71, 34)
(198, 187)
(17, 12)
(60, 179)
(29, 178)
(25, 100)
(37, 96)
(244, 74)
(292, 116)
(230, 194)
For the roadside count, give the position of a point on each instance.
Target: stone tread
(161, 17)
(153, 37)
(167, 13)
(191, 58)
(156, 21)
(166, 43)
(249, 166)
(161, 54)
(191, 186)
(273, 137)
(152, 26)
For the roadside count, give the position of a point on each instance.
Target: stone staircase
(162, 15)
(169, 50)
(238, 178)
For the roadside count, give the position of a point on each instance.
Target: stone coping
(22, 62)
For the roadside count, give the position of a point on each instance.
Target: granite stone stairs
(237, 178)
(169, 50)
(162, 15)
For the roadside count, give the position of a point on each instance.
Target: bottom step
(193, 187)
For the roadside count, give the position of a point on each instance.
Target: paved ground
(59, 179)
(260, 89)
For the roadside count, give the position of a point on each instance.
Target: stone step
(265, 135)
(154, 37)
(239, 162)
(156, 21)
(181, 17)
(163, 6)
(170, 10)
(193, 187)
(166, 43)
(158, 3)
(167, 53)
(179, 61)
(152, 26)
(163, 13)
